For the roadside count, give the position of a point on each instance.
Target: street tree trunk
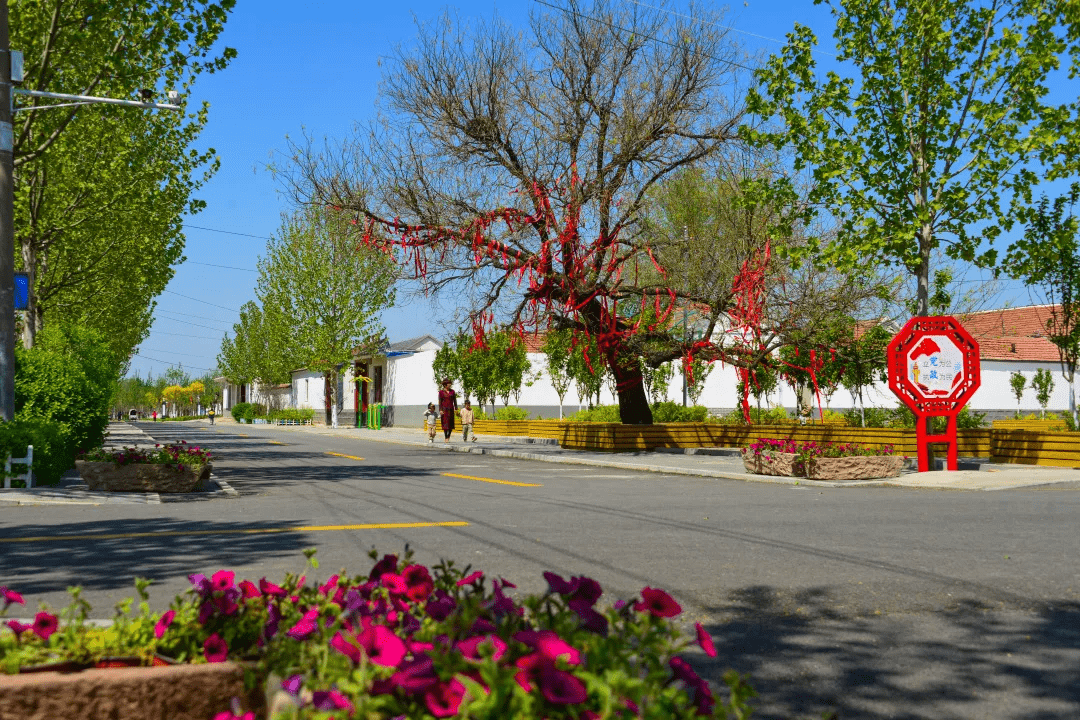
(630, 387)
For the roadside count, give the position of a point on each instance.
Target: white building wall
(308, 390)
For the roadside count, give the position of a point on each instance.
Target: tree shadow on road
(804, 658)
(109, 554)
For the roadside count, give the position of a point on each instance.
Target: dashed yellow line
(275, 442)
(350, 457)
(245, 531)
(492, 480)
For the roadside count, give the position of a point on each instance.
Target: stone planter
(143, 477)
(772, 463)
(867, 467)
(178, 692)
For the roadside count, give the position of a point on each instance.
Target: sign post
(933, 366)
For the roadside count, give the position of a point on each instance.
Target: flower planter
(177, 692)
(773, 463)
(143, 477)
(866, 467)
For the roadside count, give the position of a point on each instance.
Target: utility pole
(7, 227)
(686, 243)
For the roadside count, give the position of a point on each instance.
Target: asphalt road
(875, 602)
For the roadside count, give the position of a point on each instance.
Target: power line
(196, 337)
(227, 232)
(197, 317)
(725, 27)
(631, 32)
(226, 267)
(187, 322)
(173, 352)
(166, 362)
(188, 297)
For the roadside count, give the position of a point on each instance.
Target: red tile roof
(1012, 333)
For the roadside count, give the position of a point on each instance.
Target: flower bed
(821, 461)
(406, 640)
(169, 469)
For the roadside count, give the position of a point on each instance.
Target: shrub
(511, 413)
(249, 411)
(769, 416)
(668, 412)
(968, 419)
(67, 377)
(54, 452)
(597, 414)
(406, 641)
(180, 454)
(239, 411)
(294, 414)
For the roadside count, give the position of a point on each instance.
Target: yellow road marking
(490, 480)
(247, 531)
(275, 442)
(351, 457)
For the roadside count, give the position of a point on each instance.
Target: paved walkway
(703, 462)
(71, 490)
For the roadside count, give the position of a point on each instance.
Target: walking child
(467, 422)
(431, 418)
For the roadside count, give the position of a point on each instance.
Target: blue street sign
(22, 291)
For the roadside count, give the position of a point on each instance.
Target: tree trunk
(629, 384)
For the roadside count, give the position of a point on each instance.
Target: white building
(402, 378)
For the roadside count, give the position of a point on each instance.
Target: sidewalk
(72, 491)
(725, 463)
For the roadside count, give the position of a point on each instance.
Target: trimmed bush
(598, 414)
(669, 412)
(511, 413)
(296, 415)
(54, 452)
(247, 411)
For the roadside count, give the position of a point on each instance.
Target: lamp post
(11, 72)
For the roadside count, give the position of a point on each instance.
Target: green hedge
(54, 452)
(298, 415)
(247, 411)
(510, 413)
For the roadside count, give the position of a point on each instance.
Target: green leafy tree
(260, 349)
(1017, 382)
(1043, 384)
(557, 350)
(933, 138)
(100, 191)
(447, 364)
(864, 362)
(587, 369)
(696, 372)
(657, 379)
(1047, 258)
(330, 290)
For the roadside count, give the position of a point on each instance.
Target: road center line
(245, 531)
(490, 480)
(351, 457)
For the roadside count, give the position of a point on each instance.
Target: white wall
(409, 380)
(995, 392)
(308, 390)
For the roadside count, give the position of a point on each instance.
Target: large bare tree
(517, 164)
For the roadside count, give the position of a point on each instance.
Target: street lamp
(11, 71)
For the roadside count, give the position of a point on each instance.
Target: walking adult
(447, 408)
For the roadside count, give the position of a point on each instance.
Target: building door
(377, 382)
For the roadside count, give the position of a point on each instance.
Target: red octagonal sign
(933, 368)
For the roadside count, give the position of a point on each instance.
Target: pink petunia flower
(293, 684)
(382, 646)
(269, 588)
(248, 590)
(419, 583)
(470, 648)
(416, 676)
(163, 623)
(475, 577)
(704, 640)
(394, 583)
(222, 580)
(307, 625)
(443, 699)
(10, 596)
(658, 602)
(18, 628)
(682, 671)
(215, 649)
(331, 700)
(346, 646)
(45, 624)
(389, 563)
(561, 687)
(326, 587)
(590, 618)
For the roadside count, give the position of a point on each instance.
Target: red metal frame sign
(933, 366)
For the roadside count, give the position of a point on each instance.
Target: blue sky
(315, 65)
